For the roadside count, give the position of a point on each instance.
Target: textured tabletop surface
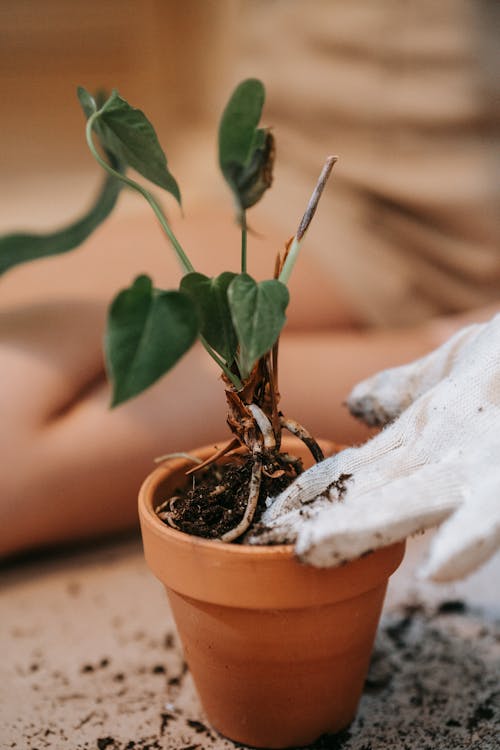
(90, 660)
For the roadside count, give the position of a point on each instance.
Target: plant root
(167, 515)
(171, 456)
(264, 426)
(296, 429)
(168, 518)
(253, 498)
(234, 443)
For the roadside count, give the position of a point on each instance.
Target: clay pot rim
(148, 514)
(210, 570)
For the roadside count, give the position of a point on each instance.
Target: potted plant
(278, 650)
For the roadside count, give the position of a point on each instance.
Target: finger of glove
(396, 452)
(329, 477)
(367, 521)
(468, 538)
(381, 398)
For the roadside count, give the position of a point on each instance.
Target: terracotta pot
(278, 650)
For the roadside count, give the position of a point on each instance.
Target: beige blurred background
(406, 93)
(164, 57)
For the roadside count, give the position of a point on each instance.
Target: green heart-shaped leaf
(128, 134)
(20, 247)
(258, 312)
(210, 297)
(246, 153)
(148, 331)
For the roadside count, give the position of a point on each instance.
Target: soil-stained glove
(438, 460)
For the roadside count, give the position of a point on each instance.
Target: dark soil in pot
(217, 497)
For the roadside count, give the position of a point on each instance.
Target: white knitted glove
(439, 459)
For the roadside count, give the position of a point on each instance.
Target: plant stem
(290, 261)
(306, 219)
(186, 264)
(243, 241)
(227, 372)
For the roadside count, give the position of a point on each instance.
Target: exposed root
(219, 490)
(264, 426)
(296, 429)
(234, 443)
(207, 510)
(168, 515)
(167, 504)
(275, 474)
(171, 456)
(168, 518)
(253, 498)
(296, 462)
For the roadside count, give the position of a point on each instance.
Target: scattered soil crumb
(169, 641)
(451, 607)
(482, 712)
(432, 685)
(331, 741)
(177, 679)
(166, 718)
(198, 726)
(337, 489)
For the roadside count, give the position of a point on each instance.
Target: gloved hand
(437, 460)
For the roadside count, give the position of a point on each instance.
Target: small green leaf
(148, 332)
(87, 101)
(258, 312)
(253, 180)
(210, 297)
(128, 134)
(246, 153)
(239, 122)
(20, 247)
